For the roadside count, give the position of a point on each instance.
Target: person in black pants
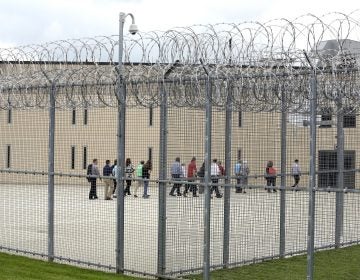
(112, 167)
(270, 176)
(94, 171)
(191, 174)
(129, 171)
(296, 172)
(176, 173)
(215, 172)
(201, 175)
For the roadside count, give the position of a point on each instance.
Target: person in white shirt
(94, 171)
(245, 171)
(215, 172)
(296, 173)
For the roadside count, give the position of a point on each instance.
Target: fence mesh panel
(214, 108)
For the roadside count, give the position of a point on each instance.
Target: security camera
(133, 29)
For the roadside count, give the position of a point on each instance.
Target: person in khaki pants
(109, 187)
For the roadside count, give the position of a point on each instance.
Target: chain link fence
(208, 112)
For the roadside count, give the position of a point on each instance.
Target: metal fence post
(340, 168)
(283, 173)
(121, 98)
(161, 269)
(227, 189)
(207, 206)
(312, 174)
(161, 266)
(120, 188)
(51, 168)
(120, 207)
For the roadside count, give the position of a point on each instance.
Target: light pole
(121, 98)
(133, 29)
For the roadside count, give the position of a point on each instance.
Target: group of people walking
(270, 175)
(241, 171)
(178, 171)
(140, 174)
(217, 171)
(179, 174)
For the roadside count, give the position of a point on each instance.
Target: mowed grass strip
(339, 264)
(14, 267)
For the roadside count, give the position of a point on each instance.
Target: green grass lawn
(329, 265)
(340, 264)
(21, 268)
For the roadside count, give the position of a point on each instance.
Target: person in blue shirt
(107, 171)
(238, 188)
(176, 172)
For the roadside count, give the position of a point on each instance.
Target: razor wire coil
(256, 66)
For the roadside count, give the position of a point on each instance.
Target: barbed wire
(255, 66)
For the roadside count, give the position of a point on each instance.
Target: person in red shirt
(221, 168)
(191, 174)
(270, 176)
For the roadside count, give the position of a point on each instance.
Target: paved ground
(86, 229)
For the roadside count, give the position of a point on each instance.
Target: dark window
(73, 117)
(72, 157)
(326, 118)
(9, 116)
(150, 152)
(327, 165)
(349, 120)
(240, 119)
(239, 154)
(84, 157)
(85, 116)
(8, 156)
(151, 116)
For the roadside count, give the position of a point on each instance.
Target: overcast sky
(35, 21)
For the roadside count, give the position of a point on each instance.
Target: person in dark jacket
(201, 175)
(107, 171)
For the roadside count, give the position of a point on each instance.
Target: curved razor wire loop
(257, 66)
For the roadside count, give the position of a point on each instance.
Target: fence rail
(254, 95)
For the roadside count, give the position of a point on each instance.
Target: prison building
(82, 134)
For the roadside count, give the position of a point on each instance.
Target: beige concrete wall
(28, 137)
(258, 139)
